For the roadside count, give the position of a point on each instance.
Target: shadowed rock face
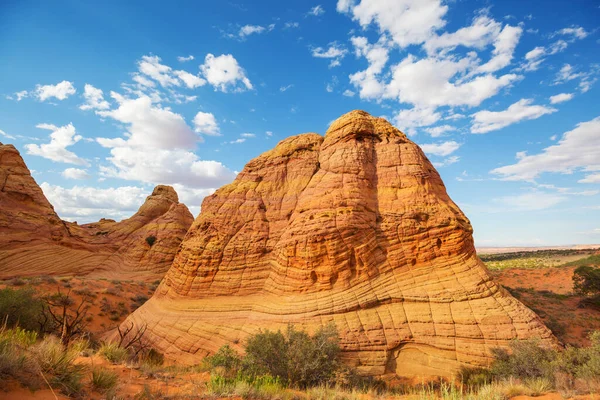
(35, 241)
(355, 228)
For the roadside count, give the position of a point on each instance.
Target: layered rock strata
(35, 241)
(354, 228)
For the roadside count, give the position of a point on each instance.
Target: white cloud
(329, 88)
(237, 141)
(75, 173)
(224, 73)
(504, 47)
(94, 99)
(574, 31)
(157, 147)
(438, 131)
(89, 204)
(191, 81)
(291, 24)
(481, 33)
(562, 97)
(248, 135)
(408, 119)
(21, 95)
(206, 123)
(60, 138)
(248, 30)
(440, 149)
(426, 83)
(577, 149)
(529, 201)
(285, 88)
(184, 59)
(335, 52)
(487, 121)
(6, 135)
(566, 73)
(151, 66)
(269, 133)
(149, 125)
(407, 21)
(534, 58)
(60, 91)
(348, 93)
(446, 162)
(317, 10)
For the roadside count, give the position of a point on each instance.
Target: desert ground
(539, 277)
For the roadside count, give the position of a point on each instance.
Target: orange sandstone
(35, 241)
(354, 228)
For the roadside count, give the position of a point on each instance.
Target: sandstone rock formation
(35, 241)
(355, 228)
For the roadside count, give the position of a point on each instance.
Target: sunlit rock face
(354, 228)
(35, 241)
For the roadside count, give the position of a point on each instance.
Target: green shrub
(104, 380)
(21, 307)
(586, 280)
(154, 358)
(150, 240)
(527, 359)
(113, 353)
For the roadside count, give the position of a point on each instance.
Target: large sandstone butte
(35, 241)
(355, 228)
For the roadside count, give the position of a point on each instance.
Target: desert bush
(12, 357)
(57, 363)
(113, 353)
(225, 360)
(296, 358)
(138, 300)
(151, 240)
(475, 376)
(586, 280)
(21, 307)
(104, 380)
(526, 359)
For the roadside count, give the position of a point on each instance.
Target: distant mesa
(354, 228)
(35, 241)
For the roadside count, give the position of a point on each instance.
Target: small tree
(586, 280)
(69, 316)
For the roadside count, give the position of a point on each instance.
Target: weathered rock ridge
(35, 241)
(354, 228)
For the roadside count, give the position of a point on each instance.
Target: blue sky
(105, 100)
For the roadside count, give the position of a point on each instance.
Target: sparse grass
(591, 260)
(104, 380)
(113, 353)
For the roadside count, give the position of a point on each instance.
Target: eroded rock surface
(355, 228)
(35, 241)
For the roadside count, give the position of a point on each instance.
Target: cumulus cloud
(21, 95)
(60, 91)
(206, 123)
(487, 121)
(578, 149)
(75, 173)
(285, 88)
(409, 119)
(446, 162)
(88, 204)
(440, 149)
(248, 30)
(149, 125)
(560, 98)
(153, 68)
(406, 21)
(94, 99)
(348, 93)
(224, 73)
(191, 81)
(60, 138)
(158, 147)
